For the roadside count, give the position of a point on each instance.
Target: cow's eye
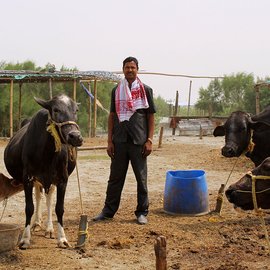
(55, 110)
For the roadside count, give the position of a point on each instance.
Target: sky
(185, 37)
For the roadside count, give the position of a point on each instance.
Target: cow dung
(9, 235)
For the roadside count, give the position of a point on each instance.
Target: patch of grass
(94, 157)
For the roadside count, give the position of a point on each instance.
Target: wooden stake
(160, 137)
(83, 232)
(161, 253)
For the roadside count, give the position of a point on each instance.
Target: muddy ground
(235, 240)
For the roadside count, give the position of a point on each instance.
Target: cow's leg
(29, 210)
(36, 226)
(59, 210)
(49, 232)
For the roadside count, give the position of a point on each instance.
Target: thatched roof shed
(51, 76)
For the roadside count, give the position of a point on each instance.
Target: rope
(57, 141)
(259, 210)
(221, 192)
(79, 186)
(92, 97)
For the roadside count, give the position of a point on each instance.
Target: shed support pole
(257, 93)
(175, 110)
(11, 109)
(89, 111)
(50, 88)
(95, 110)
(74, 90)
(20, 105)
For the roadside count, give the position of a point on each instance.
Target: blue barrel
(186, 193)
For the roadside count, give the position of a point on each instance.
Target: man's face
(130, 71)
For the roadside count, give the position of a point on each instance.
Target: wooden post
(201, 132)
(175, 110)
(161, 253)
(95, 110)
(257, 93)
(89, 111)
(189, 95)
(20, 105)
(11, 109)
(83, 226)
(74, 89)
(50, 88)
(160, 137)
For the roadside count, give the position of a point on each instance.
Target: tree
(210, 98)
(238, 91)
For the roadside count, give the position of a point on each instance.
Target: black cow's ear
(42, 102)
(219, 131)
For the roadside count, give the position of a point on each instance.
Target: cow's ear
(42, 103)
(219, 131)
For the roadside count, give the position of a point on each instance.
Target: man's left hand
(147, 149)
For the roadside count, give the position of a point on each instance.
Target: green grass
(94, 157)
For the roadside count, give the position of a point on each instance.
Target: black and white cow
(42, 152)
(242, 130)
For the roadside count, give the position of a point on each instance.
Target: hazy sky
(193, 37)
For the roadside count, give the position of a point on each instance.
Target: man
(130, 138)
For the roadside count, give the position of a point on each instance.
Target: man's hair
(131, 59)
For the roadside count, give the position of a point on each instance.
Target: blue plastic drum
(186, 193)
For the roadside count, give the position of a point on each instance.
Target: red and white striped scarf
(127, 101)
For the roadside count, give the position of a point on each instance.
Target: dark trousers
(125, 152)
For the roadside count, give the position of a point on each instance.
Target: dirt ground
(235, 240)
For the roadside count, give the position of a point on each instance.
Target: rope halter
(52, 129)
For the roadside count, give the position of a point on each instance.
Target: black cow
(43, 151)
(240, 193)
(242, 130)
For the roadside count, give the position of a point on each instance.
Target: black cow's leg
(59, 210)
(29, 211)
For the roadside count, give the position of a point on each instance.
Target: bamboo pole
(89, 111)
(257, 93)
(50, 88)
(11, 109)
(175, 110)
(20, 105)
(74, 89)
(95, 110)
(189, 95)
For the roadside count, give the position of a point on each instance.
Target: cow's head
(237, 134)
(63, 114)
(240, 193)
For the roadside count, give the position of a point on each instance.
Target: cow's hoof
(24, 245)
(49, 234)
(63, 244)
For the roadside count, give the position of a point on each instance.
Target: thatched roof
(21, 76)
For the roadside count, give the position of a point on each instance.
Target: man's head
(130, 68)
